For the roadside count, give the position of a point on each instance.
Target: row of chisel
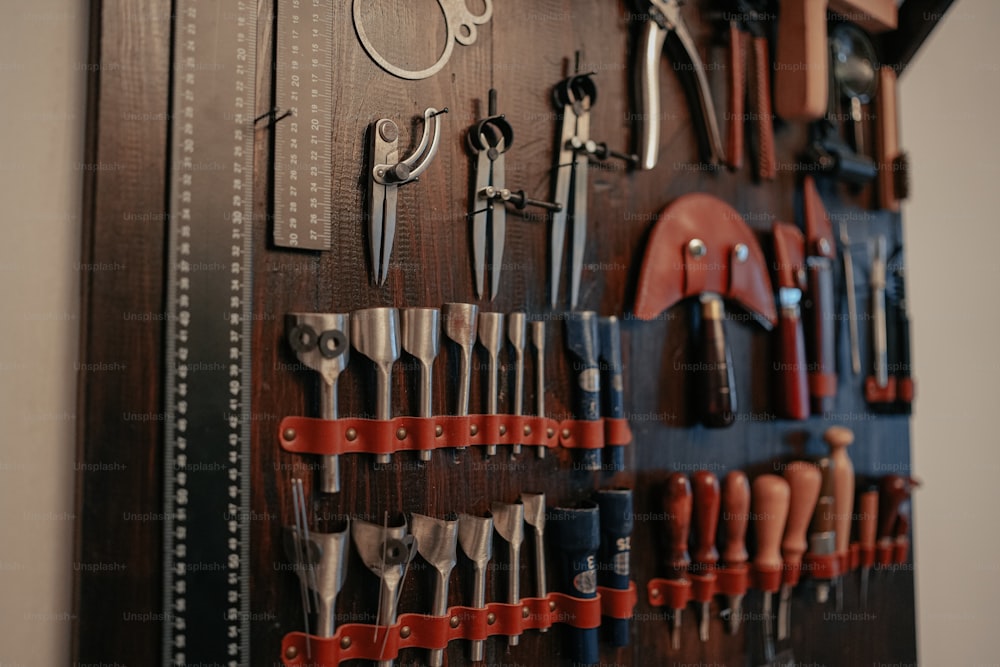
(808, 509)
(592, 541)
(322, 342)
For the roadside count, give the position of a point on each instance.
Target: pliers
(663, 18)
(387, 174)
(489, 139)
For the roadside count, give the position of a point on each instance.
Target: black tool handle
(718, 391)
(613, 384)
(614, 557)
(820, 344)
(583, 341)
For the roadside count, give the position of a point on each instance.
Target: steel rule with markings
(302, 149)
(206, 602)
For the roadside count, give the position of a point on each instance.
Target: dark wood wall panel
(523, 51)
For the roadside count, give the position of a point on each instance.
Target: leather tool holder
(309, 435)
(359, 641)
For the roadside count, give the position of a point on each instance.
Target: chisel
(491, 338)
(677, 510)
(421, 336)
(804, 480)
(508, 520)
(735, 512)
(770, 498)
(705, 488)
(537, 330)
(475, 535)
(460, 322)
(516, 330)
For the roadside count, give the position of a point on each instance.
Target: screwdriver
(770, 498)
(736, 510)
(804, 480)
(823, 535)
(705, 488)
(867, 526)
(677, 508)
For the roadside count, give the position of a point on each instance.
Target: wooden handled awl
(804, 480)
(736, 511)
(705, 487)
(677, 509)
(770, 500)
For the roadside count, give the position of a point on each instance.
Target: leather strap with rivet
(358, 641)
(308, 435)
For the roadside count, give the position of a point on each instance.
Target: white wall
(949, 102)
(42, 84)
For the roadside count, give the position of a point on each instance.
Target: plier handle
(663, 19)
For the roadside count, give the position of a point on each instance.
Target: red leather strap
(884, 554)
(791, 574)
(673, 593)
(368, 642)
(308, 435)
(618, 603)
(844, 561)
(733, 580)
(702, 586)
(853, 557)
(900, 550)
(866, 556)
(825, 566)
(877, 394)
(906, 389)
(767, 579)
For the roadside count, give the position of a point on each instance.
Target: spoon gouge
(491, 338)
(475, 535)
(375, 334)
(436, 543)
(516, 331)
(537, 330)
(421, 336)
(534, 516)
(460, 322)
(508, 520)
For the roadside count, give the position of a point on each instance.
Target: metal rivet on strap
(552, 605)
(527, 430)
(454, 622)
(401, 433)
(404, 631)
(491, 618)
(565, 434)
(503, 429)
(550, 433)
(438, 431)
(289, 434)
(345, 642)
(473, 430)
(291, 652)
(352, 434)
(525, 612)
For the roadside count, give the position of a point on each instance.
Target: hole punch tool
(387, 175)
(488, 140)
(663, 18)
(575, 96)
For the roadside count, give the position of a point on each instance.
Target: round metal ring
(302, 338)
(332, 343)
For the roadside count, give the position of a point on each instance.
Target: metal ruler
(206, 579)
(302, 142)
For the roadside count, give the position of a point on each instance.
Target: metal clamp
(387, 174)
(460, 26)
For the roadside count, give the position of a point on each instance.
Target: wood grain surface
(523, 51)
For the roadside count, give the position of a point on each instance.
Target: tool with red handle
(790, 276)
(735, 513)
(821, 351)
(804, 480)
(677, 510)
(705, 488)
(770, 499)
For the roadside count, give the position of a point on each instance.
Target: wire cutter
(575, 96)
(489, 139)
(663, 17)
(387, 174)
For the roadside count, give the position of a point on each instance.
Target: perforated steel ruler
(206, 614)
(302, 148)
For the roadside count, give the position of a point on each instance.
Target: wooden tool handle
(718, 391)
(677, 507)
(886, 138)
(804, 480)
(801, 61)
(767, 164)
(793, 385)
(839, 439)
(735, 511)
(737, 96)
(770, 511)
(705, 487)
(823, 518)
